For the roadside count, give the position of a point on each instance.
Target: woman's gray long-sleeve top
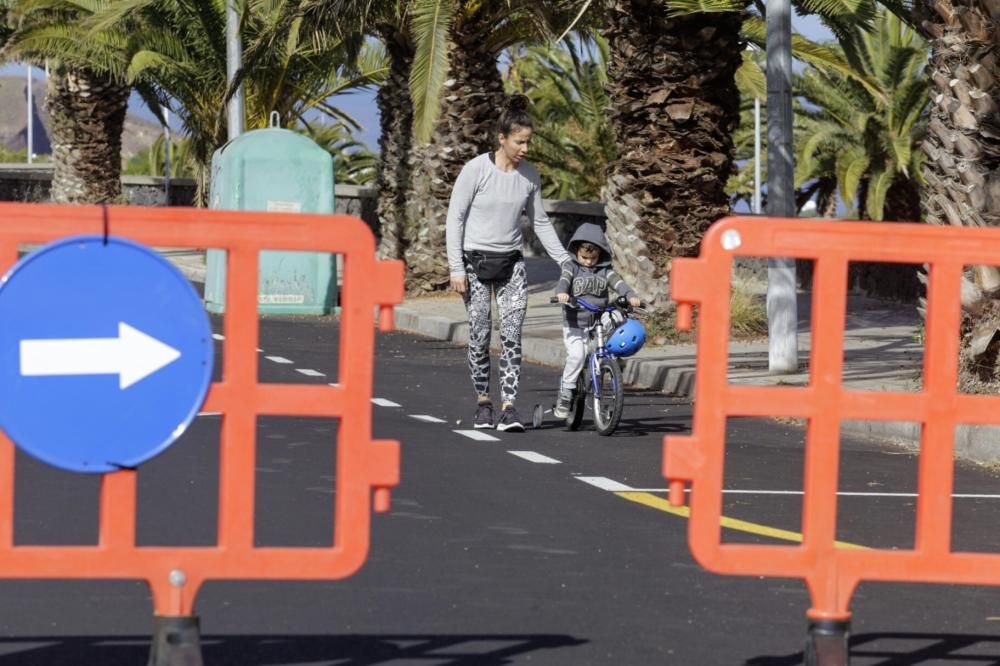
(485, 212)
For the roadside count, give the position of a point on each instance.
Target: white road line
(427, 418)
(218, 336)
(534, 457)
(476, 434)
(277, 359)
(309, 372)
(209, 413)
(604, 483)
(742, 491)
(382, 402)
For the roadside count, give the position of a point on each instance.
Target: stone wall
(31, 183)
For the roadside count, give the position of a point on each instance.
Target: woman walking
(484, 255)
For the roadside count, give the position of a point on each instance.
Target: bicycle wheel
(608, 398)
(579, 403)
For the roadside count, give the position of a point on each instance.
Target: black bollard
(826, 644)
(176, 641)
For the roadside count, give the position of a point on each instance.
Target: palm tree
(87, 100)
(870, 135)
(961, 163)
(152, 160)
(674, 107)
(457, 89)
(396, 159)
(862, 141)
(292, 76)
(387, 20)
(573, 141)
(353, 163)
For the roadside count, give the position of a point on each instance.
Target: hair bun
(517, 103)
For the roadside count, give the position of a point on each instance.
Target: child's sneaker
(508, 420)
(484, 415)
(563, 402)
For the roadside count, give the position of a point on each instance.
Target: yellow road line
(661, 504)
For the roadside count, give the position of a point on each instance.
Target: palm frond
(878, 187)
(431, 22)
(750, 77)
(688, 7)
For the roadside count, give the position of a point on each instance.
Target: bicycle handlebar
(620, 302)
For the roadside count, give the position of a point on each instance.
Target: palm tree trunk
(466, 128)
(87, 114)
(962, 163)
(893, 281)
(396, 120)
(674, 106)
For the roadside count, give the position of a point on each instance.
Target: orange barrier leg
(827, 644)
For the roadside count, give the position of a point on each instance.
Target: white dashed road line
(534, 457)
(604, 483)
(277, 359)
(427, 418)
(478, 435)
(309, 372)
(843, 493)
(382, 402)
(218, 336)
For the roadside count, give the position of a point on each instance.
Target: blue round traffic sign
(105, 354)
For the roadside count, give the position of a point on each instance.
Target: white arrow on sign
(132, 356)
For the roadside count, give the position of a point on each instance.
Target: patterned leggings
(512, 302)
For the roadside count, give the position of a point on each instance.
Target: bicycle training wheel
(576, 407)
(608, 396)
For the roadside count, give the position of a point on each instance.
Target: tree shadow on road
(907, 649)
(343, 650)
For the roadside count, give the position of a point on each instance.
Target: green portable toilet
(275, 169)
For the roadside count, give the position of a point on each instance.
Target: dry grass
(747, 319)
(747, 314)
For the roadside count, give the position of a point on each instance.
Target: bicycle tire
(578, 404)
(609, 397)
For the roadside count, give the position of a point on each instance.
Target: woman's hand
(563, 297)
(460, 283)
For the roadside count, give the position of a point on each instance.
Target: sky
(361, 105)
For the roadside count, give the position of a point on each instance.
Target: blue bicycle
(613, 334)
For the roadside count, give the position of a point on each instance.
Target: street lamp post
(166, 156)
(234, 56)
(756, 155)
(31, 119)
(782, 309)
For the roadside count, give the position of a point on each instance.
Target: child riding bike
(588, 275)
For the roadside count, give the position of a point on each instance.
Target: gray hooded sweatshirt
(590, 284)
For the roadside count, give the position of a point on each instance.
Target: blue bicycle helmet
(627, 338)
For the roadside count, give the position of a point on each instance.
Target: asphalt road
(511, 550)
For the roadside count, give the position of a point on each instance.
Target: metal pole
(166, 157)
(782, 310)
(31, 119)
(234, 56)
(756, 155)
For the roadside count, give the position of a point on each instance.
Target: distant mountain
(139, 133)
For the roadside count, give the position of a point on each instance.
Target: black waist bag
(490, 266)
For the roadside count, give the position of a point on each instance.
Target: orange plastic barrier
(830, 573)
(365, 468)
